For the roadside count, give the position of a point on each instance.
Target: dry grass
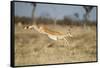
(31, 47)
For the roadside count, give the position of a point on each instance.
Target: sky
(52, 10)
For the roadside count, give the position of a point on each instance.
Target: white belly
(54, 37)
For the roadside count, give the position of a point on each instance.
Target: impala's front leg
(66, 42)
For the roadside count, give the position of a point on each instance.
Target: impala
(54, 35)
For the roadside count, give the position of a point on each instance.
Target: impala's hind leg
(55, 43)
(50, 44)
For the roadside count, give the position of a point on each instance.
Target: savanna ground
(31, 47)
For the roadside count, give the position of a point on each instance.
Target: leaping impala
(54, 35)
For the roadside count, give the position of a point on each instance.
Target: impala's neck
(34, 27)
(40, 29)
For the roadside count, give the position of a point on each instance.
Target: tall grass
(31, 47)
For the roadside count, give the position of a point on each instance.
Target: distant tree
(86, 15)
(45, 18)
(87, 10)
(76, 15)
(55, 21)
(67, 20)
(33, 12)
(55, 16)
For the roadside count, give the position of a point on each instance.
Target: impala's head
(35, 27)
(29, 27)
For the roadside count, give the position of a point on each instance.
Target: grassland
(31, 47)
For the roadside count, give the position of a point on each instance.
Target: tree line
(43, 20)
